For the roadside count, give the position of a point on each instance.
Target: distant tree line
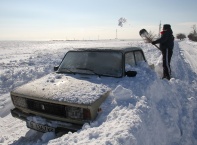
(181, 36)
(192, 35)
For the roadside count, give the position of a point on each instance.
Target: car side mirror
(56, 68)
(131, 73)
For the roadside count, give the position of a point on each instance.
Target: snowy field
(144, 110)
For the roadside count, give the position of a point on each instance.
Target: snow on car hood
(65, 88)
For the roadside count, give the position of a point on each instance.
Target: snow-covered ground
(144, 110)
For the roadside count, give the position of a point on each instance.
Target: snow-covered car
(73, 94)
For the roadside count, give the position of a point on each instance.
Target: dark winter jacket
(166, 40)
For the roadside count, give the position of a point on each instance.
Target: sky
(92, 19)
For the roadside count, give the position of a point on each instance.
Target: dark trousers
(167, 55)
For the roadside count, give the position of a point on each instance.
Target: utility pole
(116, 34)
(159, 35)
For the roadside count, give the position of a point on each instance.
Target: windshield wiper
(67, 69)
(89, 70)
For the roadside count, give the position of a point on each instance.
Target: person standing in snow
(166, 46)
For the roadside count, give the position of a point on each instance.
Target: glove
(153, 43)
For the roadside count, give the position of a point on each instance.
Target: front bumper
(60, 126)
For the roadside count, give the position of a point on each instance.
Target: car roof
(120, 49)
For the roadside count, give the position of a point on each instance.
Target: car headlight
(19, 101)
(77, 113)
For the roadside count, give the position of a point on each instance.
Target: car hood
(65, 88)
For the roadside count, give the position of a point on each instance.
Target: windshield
(107, 63)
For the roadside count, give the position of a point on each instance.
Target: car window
(139, 56)
(130, 59)
(107, 63)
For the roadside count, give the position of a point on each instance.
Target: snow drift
(143, 110)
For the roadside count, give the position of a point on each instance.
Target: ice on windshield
(107, 63)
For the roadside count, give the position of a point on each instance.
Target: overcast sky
(92, 19)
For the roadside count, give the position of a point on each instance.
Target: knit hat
(166, 26)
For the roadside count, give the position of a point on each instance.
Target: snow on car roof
(121, 49)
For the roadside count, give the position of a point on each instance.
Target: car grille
(47, 108)
(65, 111)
